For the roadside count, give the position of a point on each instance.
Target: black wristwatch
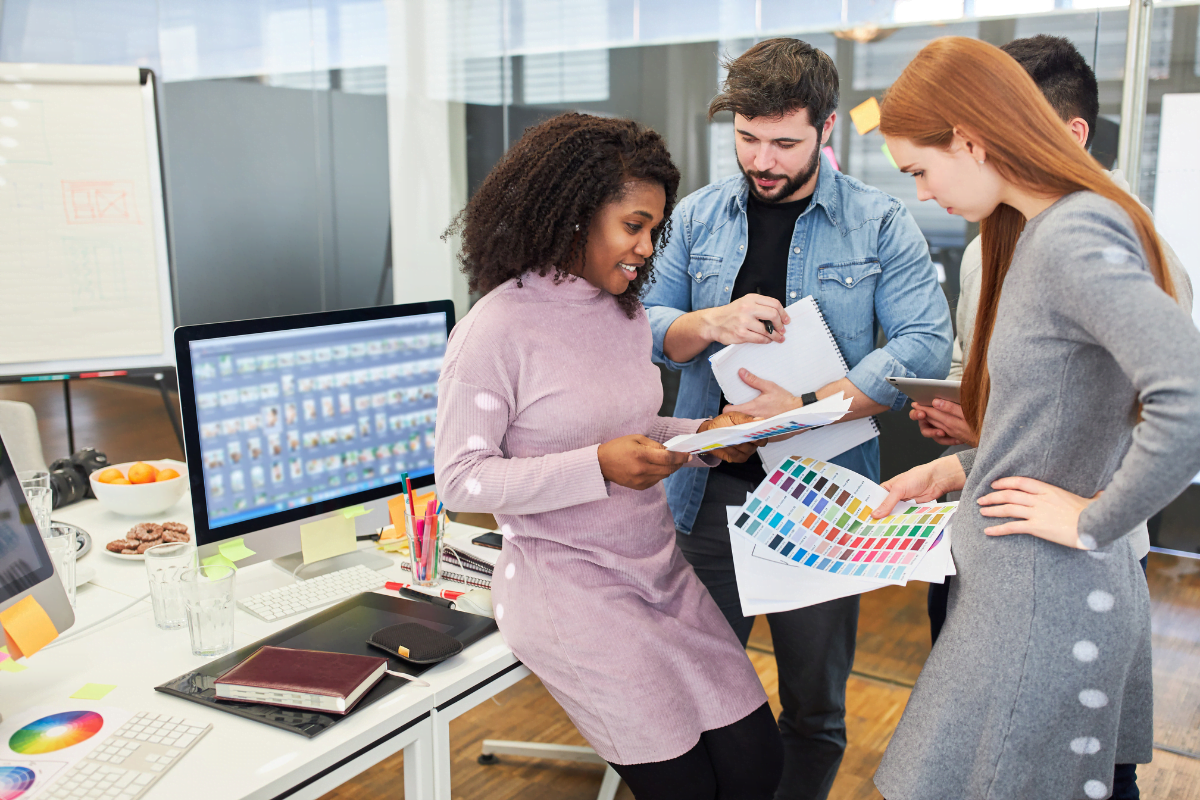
(808, 398)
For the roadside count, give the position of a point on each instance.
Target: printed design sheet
(818, 515)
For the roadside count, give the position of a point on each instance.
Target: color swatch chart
(818, 515)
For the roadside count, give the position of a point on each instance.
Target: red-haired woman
(1083, 388)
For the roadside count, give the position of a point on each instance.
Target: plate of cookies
(143, 536)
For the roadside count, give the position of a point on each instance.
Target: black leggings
(743, 761)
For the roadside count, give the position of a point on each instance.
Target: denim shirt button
(741, 247)
(793, 295)
(796, 250)
(727, 288)
(849, 281)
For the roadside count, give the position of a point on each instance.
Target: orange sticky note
(27, 627)
(865, 115)
(396, 508)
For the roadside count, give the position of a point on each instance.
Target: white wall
(427, 155)
(1176, 203)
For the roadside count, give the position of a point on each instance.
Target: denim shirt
(861, 256)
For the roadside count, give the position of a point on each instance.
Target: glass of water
(165, 565)
(60, 544)
(208, 599)
(38, 498)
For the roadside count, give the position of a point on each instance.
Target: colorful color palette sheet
(818, 515)
(814, 415)
(15, 781)
(56, 732)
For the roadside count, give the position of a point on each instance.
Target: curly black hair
(534, 208)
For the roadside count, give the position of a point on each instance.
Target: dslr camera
(69, 476)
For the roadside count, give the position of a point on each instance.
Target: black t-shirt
(769, 229)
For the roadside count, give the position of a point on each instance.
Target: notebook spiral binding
(457, 577)
(836, 349)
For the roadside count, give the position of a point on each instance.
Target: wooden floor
(893, 641)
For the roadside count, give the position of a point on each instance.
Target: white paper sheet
(806, 360)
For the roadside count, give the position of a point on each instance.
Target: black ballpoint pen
(421, 597)
(766, 322)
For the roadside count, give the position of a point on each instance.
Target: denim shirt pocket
(705, 271)
(847, 296)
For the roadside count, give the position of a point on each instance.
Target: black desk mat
(342, 628)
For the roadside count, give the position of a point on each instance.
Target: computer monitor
(290, 419)
(26, 569)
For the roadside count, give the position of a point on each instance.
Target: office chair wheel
(487, 759)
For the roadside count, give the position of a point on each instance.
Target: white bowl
(141, 499)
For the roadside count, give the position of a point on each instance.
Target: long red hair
(978, 89)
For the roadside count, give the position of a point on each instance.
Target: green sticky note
(9, 665)
(888, 153)
(93, 691)
(235, 550)
(327, 538)
(218, 560)
(354, 511)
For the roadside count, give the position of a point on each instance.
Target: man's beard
(790, 184)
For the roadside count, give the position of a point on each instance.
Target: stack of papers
(815, 415)
(806, 536)
(806, 360)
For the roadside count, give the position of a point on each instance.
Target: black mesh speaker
(416, 643)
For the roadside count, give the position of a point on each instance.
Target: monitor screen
(24, 562)
(306, 414)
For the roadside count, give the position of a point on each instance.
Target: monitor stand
(292, 561)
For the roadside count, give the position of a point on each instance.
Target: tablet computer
(923, 391)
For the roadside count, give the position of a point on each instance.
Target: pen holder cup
(424, 533)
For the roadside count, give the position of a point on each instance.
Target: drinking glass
(38, 498)
(424, 546)
(208, 598)
(165, 564)
(60, 544)
(34, 477)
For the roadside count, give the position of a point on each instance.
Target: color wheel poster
(812, 514)
(39, 744)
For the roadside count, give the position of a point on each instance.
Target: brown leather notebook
(310, 679)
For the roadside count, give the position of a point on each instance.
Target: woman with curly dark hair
(547, 417)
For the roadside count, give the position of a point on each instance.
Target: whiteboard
(1176, 203)
(84, 274)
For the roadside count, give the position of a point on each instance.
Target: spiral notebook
(806, 360)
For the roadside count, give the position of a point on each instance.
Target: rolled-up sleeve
(911, 310)
(670, 297)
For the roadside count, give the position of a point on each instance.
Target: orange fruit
(109, 475)
(166, 474)
(119, 482)
(142, 472)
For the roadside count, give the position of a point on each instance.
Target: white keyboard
(127, 763)
(296, 598)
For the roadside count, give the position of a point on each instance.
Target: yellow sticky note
(888, 153)
(12, 666)
(27, 627)
(327, 538)
(93, 691)
(217, 561)
(865, 115)
(235, 550)
(354, 511)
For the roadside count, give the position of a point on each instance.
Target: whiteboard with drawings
(85, 280)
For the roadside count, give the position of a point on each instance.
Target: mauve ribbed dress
(590, 590)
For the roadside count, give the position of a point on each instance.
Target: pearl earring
(577, 227)
(980, 162)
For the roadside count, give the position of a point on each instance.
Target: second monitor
(289, 419)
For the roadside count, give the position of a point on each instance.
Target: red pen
(448, 594)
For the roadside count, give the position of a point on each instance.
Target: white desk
(241, 758)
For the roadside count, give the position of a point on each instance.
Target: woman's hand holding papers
(734, 454)
(637, 462)
(922, 484)
(1039, 509)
